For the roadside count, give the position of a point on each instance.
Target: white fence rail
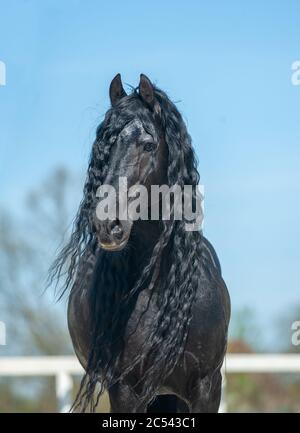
(63, 368)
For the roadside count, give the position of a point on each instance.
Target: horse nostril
(116, 229)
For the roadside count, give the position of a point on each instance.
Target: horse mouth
(113, 246)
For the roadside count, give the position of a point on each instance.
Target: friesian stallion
(148, 309)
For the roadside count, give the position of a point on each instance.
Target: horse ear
(146, 90)
(116, 91)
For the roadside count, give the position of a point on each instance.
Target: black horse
(148, 308)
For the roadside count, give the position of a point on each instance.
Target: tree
(35, 323)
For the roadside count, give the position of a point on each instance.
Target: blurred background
(228, 66)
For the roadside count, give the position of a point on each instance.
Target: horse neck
(144, 238)
(125, 267)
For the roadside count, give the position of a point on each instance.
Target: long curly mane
(111, 308)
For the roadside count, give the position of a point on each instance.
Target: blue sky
(227, 64)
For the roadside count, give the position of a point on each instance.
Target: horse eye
(149, 146)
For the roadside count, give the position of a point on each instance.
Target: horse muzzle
(113, 235)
